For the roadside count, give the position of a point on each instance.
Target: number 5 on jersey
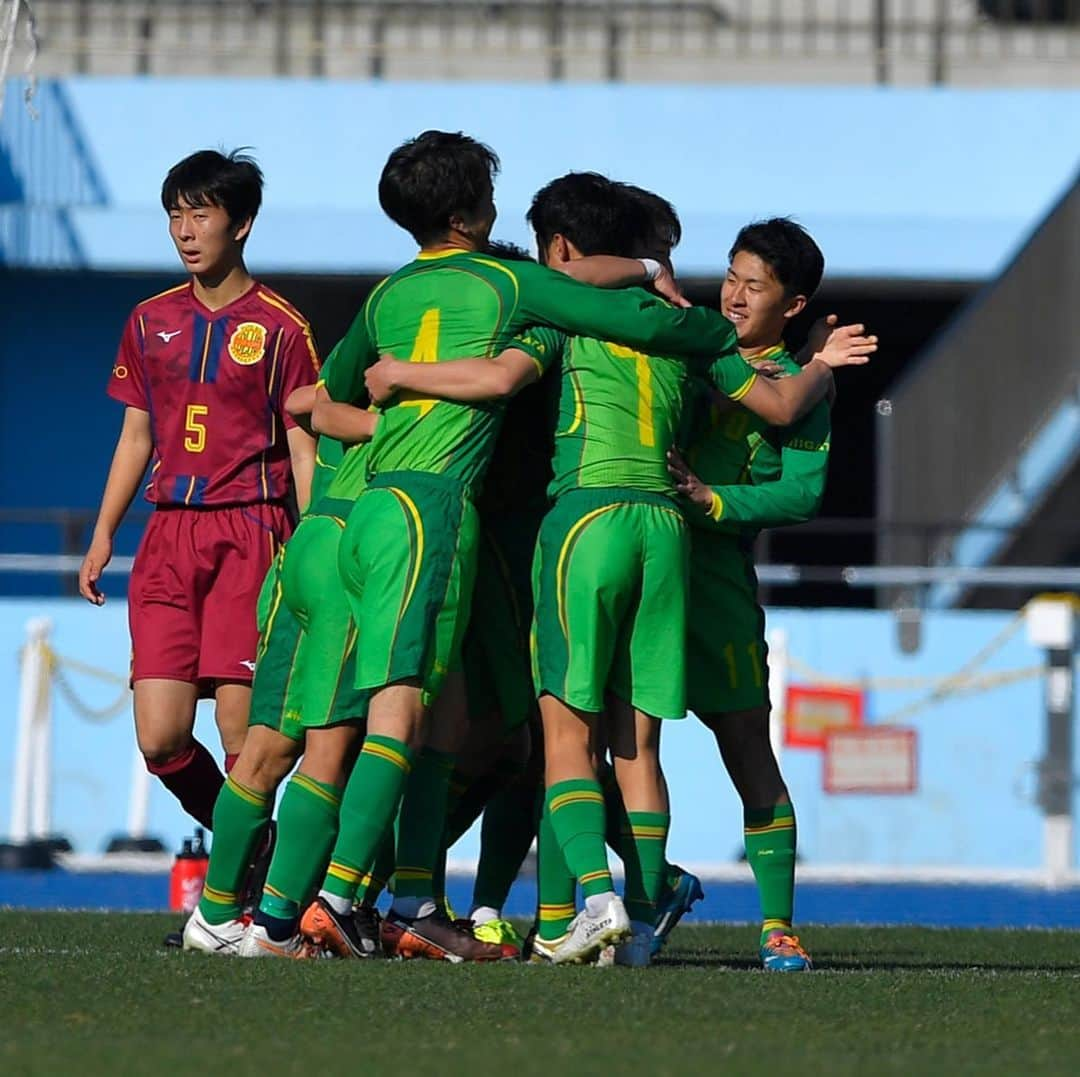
(196, 430)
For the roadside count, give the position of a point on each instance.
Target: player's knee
(164, 753)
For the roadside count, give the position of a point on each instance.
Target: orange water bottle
(188, 874)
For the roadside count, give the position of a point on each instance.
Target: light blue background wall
(926, 183)
(972, 808)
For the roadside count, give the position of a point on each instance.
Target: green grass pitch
(90, 994)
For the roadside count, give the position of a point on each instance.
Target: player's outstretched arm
(132, 454)
(781, 402)
(613, 271)
(630, 318)
(469, 381)
(343, 422)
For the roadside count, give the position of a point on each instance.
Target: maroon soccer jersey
(214, 384)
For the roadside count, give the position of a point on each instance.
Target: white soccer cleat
(636, 951)
(588, 935)
(223, 939)
(257, 943)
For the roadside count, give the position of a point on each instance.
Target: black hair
(428, 179)
(787, 249)
(658, 224)
(509, 252)
(233, 181)
(587, 209)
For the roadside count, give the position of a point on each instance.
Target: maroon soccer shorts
(194, 588)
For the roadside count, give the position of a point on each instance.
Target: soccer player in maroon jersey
(203, 371)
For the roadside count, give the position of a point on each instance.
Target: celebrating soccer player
(203, 370)
(614, 505)
(753, 476)
(426, 461)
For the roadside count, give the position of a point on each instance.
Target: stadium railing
(52, 545)
(1050, 624)
(1033, 41)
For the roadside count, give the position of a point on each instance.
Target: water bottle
(188, 874)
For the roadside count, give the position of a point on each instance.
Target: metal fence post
(1051, 624)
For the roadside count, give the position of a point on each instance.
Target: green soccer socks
(645, 864)
(578, 820)
(307, 831)
(368, 807)
(770, 850)
(240, 818)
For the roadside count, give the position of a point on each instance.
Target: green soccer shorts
(609, 580)
(495, 652)
(408, 563)
(306, 667)
(725, 645)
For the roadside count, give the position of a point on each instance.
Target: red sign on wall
(811, 712)
(874, 759)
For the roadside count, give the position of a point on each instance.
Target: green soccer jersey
(457, 304)
(762, 475)
(351, 477)
(328, 455)
(620, 410)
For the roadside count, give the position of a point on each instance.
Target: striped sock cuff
(775, 925)
(595, 877)
(548, 913)
(346, 874)
(574, 796)
(219, 897)
(329, 794)
(250, 796)
(768, 820)
(393, 751)
(407, 874)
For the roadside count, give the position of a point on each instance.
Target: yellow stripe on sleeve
(744, 388)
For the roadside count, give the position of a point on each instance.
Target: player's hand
(768, 368)
(666, 285)
(839, 345)
(380, 378)
(686, 482)
(97, 557)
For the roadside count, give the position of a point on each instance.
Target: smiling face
(206, 240)
(756, 303)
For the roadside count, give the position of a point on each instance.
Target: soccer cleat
(257, 943)
(781, 952)
(675, 902)
(352, 936)
(224, 939)
(538, 951)
(500, 933)
(436, 937)
(588, 935)
(636, 951)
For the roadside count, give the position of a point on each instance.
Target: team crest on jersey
(247, 345)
